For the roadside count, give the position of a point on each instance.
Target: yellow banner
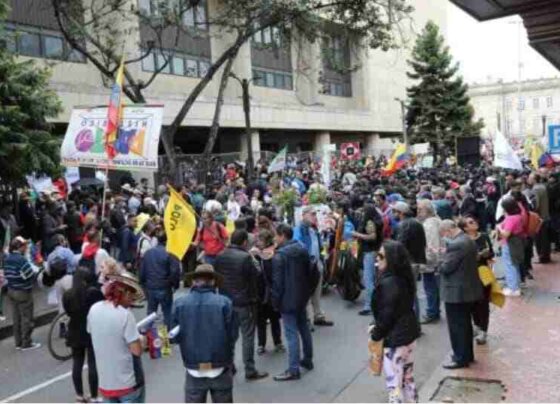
(180, 224)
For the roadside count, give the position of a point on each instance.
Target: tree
(439, 107)
(98, 28)
(26, 102)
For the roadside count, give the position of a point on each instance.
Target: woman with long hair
(76, 302)
(395, 320)
(481, 309)
(510, 233)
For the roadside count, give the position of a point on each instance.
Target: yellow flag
(180, 224)
(536, 153)
(230, 226)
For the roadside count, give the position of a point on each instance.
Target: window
(272, 79)
(179, 64)
(268, 36)
(536, 103)
(337, 88)
(29, 44)
(521, 104)
(192, 16)
(36, 42)
(53, 47)
(549, 102)
(508, 105)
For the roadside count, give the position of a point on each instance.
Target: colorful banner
(279, 161)
(136, 144)
(350, 151)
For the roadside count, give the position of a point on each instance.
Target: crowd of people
(252, 263)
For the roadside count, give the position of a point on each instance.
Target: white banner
(326, 165)
(137, 142)
(421, 148)
(72, 175)
(323, 212)
(504, 156)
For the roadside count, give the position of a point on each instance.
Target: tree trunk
(218, 111)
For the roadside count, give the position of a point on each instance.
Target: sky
(489, 51)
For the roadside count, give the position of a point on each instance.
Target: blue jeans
(294, 324)
(163, 297)
(431, 287)
(368, 278)
(210, 259)
(512, 270)
(137, 396)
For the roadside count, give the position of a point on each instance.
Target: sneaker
(34, 345)
(481, 338)
(261, 350)
(287, 376)
(322, 322)
(512, 293)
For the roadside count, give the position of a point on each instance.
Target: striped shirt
(18, 272)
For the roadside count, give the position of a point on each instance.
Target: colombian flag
(398, 160)
(115, 113)
(540, 158)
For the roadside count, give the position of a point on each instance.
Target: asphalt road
(340, 374)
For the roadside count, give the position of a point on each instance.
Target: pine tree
(439, 107)
(26, 102)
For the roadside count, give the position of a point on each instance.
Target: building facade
(517, 109)
(297, 99)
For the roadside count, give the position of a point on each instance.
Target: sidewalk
(523, 345)
(44, 313)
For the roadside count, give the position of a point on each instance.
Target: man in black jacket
(411, 233)
(240, 284)
(468, 204)
(292, 287)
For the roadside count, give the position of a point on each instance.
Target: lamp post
(247, 111)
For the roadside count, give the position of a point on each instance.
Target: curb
(39, 321)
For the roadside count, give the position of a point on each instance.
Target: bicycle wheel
(57, 338)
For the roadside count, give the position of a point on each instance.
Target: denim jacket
(206, 329)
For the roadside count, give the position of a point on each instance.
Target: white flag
(504, 156)
(279, 162)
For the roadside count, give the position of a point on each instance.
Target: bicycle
(57, 338)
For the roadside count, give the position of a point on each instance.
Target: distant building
(304, 110)
(518, 110)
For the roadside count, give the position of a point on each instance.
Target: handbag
(375, 349)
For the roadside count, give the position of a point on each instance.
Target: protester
(212, 237)
(293, 284)
(510, 234)
(160, 273)
(541, 205)
(116, 342)
(395, 320)
(460, 289)
(240, 284)
(481, 309)
(77, 302)
(370, 237)
(308, 236)
(20, 275)
(206, 338)
(430, 276)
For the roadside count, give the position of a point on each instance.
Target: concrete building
(517, 109)
(296, 98)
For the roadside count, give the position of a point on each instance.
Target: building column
(256, 143)
(322, 139)
(372, 142)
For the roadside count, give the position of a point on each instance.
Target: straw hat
(129, 280)
(204, 270)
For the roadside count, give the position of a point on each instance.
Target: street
(340, 375)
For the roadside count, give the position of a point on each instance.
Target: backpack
(534, 223)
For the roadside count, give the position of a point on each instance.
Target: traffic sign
(554, 139)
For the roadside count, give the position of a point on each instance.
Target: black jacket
(77, 308)
(469, 207)
(411, 233)
(393, 309)
(291, 278)
(240, 274)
